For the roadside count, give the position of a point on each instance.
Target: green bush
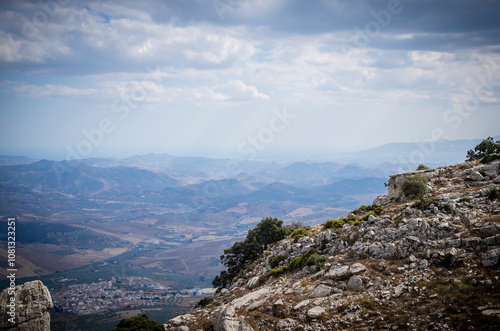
(299, 233)
(140, 322)
(334, 223)
(422, 167)
(297, 263)
(317, 260)
(484, 148)
(365, 217)
(357, 223)
(275, 261)
(415, 186)
(490, 158)
(204, 302)
(280, 271)
(365, 208)
(494, 194)
(465, 199)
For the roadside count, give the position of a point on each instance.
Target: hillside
(433, 266)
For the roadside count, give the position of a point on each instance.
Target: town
(121, 293)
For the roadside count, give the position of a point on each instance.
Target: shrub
(299, 233)
(334, 223)
(296, 263)
(365, 208)
(204, 302)
(280, 271)
(357, 223)
(415, 186)
(485, 147)
(140, 322)
(317, 260)
(365, 217)
(238, 257)
(422, 167)
(295, 225)
(490, 158)
(275, 261)
(494, 194)
(465, 199)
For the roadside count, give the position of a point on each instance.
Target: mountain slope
(433, 268)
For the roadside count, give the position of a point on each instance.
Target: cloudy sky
(244, 78)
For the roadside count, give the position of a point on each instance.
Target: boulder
(321, 291)
(253, 282)
(32, 305)
(226, 320)
(315, 312)
(357, 268)
(355, 283)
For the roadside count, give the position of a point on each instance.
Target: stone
(337, 271)
(315, 312)
(476, 176)
(356, 268)
(226, 320)
(181, 319)
(491, 257)
(355, 283)
(247, 298)
(286, 324)
(321, 291)
(301, 304)
(423, 264)
(253, 282)
(32, 302)
(491, 312)
(398, 290)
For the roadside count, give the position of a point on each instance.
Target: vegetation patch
(299, 233)
(334, 223)
(465, 199)
(275, 261)
(415, 187)
(494, 194)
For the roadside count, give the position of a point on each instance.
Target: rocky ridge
(435, 267)
(31, 309)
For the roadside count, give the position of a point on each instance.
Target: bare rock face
(32, 305)
(226, 320)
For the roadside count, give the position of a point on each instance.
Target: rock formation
(432, 265)
(31, 310)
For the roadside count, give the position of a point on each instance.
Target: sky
(244, 78)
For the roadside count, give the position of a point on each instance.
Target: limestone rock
(337, 271)
(321, 291)
(491, 257)
(32, 305)
(226, 320)
(355, 283)
(253, 282)
(357, 268)
(315, 312)
(286, 324)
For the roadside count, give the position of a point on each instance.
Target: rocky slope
(435, 267)
(31, 309)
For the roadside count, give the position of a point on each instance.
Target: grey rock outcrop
(32, 305)
(226, 320)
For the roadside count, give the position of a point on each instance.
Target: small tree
(485, 147)
(238, 257)
(415, 187)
